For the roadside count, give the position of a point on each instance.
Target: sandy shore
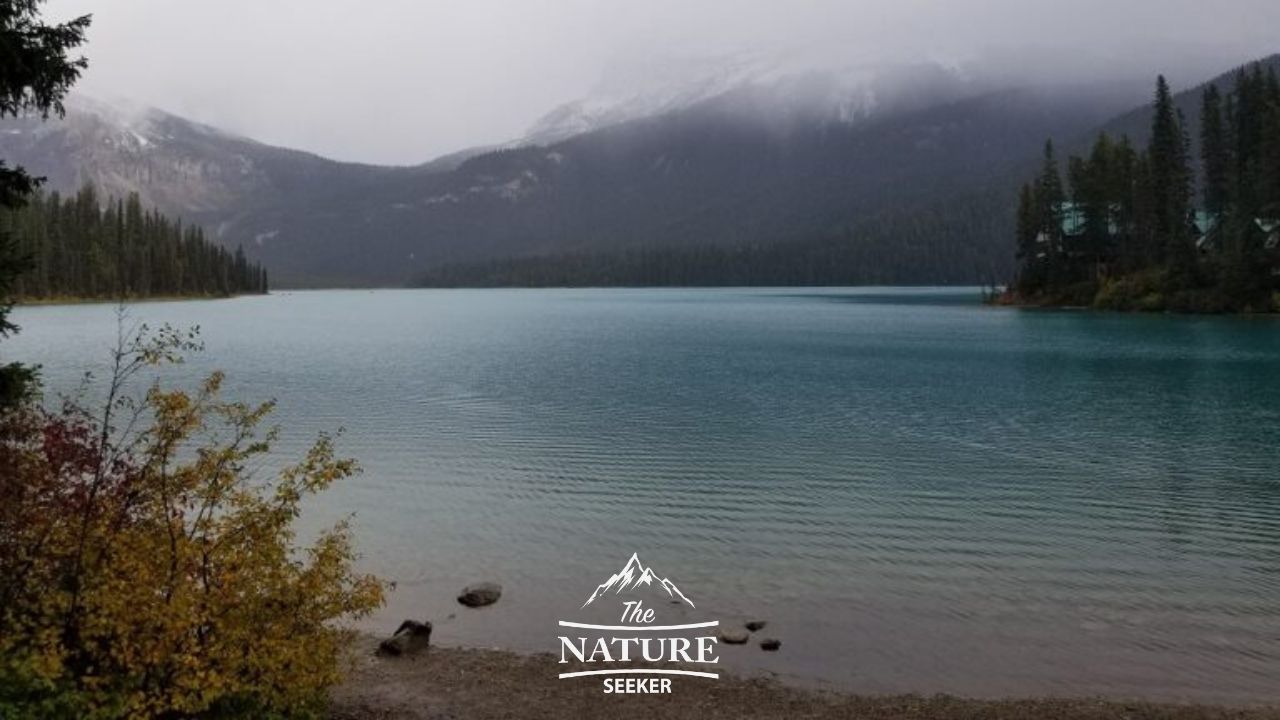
(463, 684)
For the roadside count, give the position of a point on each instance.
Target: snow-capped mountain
(634, 575)
(123, 148)
(242, 191)
(631, 93)
(755, 89)
(743, 154)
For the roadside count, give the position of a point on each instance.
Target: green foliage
(1215, 152)
(24, 695)
(1049, 197)
(145, 572)
(35, 73)
(1139, 291)
(78, 248)
(16, 380)
(1129, 229)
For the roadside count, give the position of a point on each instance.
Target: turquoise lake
(919, 493)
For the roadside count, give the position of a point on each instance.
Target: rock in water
(770, 644)
(733, 636)
(754, 625)
(480, 594)
(412, 637)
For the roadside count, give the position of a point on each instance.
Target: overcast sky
(402, 81)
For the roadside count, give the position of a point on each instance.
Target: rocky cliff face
(180, 165)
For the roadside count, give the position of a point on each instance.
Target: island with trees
(1125, 230)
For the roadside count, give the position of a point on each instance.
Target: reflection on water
(919, 493)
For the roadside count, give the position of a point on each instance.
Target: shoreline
(458, 682)
(77, 300)
(1023, 304)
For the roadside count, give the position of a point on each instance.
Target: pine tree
(1215, 154)
(1028, 223)
(1050, 196)
(1269, 193)
(37, 72)
(1170, 179)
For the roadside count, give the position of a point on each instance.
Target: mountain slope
(175, 163)
(790, 159)
(1137, 123)
(184, 168)
(705, 176)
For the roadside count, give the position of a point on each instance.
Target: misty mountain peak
(754, 89)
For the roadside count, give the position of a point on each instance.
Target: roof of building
(1205, 221)
(1074, 222)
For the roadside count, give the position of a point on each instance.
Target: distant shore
(463, 683)
(79, 300)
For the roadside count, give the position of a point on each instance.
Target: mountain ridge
(741, 169)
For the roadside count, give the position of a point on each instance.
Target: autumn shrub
(146, 572)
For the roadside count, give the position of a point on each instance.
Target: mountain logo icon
(634, 575)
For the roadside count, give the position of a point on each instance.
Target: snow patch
(438, 199)
(778, 88)
(518, 187)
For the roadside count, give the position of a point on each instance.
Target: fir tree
(1049, 198)
(1170, 179)
(1215, 153)
(35, 73)
(1028, 223)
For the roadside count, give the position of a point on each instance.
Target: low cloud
(401, 81)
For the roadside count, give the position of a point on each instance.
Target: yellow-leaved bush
(146, 572)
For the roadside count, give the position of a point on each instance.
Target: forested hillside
(911, 248)
(85, 246)
(925, 190)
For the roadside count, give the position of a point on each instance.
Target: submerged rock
(754, 625)
(733, 636)
(770, 644)
(410, 638)
(480, 594)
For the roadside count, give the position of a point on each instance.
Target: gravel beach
(460, 684)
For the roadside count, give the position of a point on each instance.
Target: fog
(402, 81)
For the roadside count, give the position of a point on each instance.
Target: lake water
(919, 493)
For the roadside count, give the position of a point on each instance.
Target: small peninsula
(1124, 233)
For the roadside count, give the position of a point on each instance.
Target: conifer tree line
(1152, 228)
(80, 246)
(911, 245)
